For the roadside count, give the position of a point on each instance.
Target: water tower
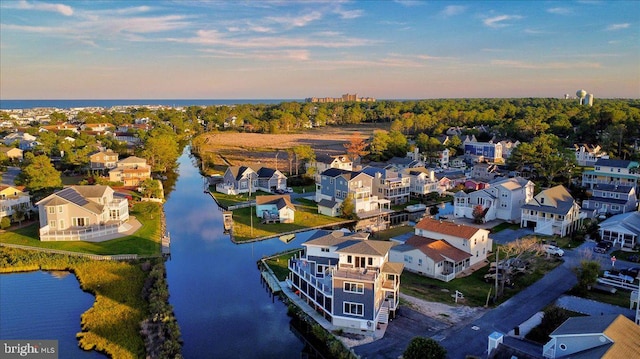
(581, 94)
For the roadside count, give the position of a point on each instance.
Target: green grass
(624, 256)
(504, 225)
(392, 232)
(145, 241)
(227, 200)
(620, 298)
(306, 216)
(279, 265)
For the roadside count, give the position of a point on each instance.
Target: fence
(111, 257)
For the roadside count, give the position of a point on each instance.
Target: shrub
(421, 347)
(5, 223)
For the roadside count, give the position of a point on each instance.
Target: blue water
(65, 104)
(44, 306)
(221, 305)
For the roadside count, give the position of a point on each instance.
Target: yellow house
(12, 199)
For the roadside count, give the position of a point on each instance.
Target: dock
(271, 281)
(166, 245)
(227, 217)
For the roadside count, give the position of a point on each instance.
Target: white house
(622, 230)
(275, 208)
(587, 155)
(502, 199)
(552, 212)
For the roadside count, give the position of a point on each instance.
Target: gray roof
(629, 221)
(371, 171)
(612, 188)
(560, 200)
(585, 325)
(327, 203)
(615, 163)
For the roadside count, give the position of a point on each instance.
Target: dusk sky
(295, 49)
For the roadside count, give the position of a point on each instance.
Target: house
(481, 151)
(275, 208)
(14, 154)
(97, 127)
(269, 179)
(434, 258)
(507, 147)
(501, 199)
(25, 141)
(613, 172)
(325, 161)
(60, 127)
(588, 155)
(81, 213)
(131, 171)
(484, 172)
(348, 279)
(442, 159)
(13, 199)
(238, 179)
(552, 212)
(450, 179)
(472, 240)
(605, 336)
(611, 199)
(390, 185)
(622, 230)
(103, 160)
(422, 181)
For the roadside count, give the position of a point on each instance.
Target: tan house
(103, 160)
(131, 171)
(12, 152)
(81, 213)
(12, 199)
(552, 212)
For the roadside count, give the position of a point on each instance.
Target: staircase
(383, 315)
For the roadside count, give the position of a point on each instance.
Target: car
(288, 190)
(616, 275)
(553, 250)
(631, 271)
(603, 247)
(279, 191)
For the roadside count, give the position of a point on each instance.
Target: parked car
(288, 190)
(615, 275)
(631, 271)
(553, 250)
(603, 247)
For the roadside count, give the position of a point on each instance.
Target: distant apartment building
(343, 98)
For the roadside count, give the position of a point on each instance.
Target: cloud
(348, 14)
(560, 11)
(614, 27)
(498, 21)
(268, 55)
(65, 10)
(453, 10)
(545, 66)
(409, 3)
(297, 21)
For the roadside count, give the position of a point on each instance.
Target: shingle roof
(612, 188)
(559, 201)
(327, 203)
(392, 267)
(438, 250)
(447, 228)
(630, 221)
(280, 200)
(615, 163)
(265, 172)
(334, 172)
(132, 159)
(368, 247)
(238, 171)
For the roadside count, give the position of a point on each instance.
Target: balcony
(303, 269)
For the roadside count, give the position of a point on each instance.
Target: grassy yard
(306, 216)
(279, 265)
(227, 200)
(392, 232)
(505, 225)
(620, 298)
(146, 241)
(627, 256)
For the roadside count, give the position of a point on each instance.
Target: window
(323, 249)
(52, 209)
(351, 287)
(59, 209)
(419, 261)
(370, 261)
(354, 308)
(61, 223)
(52, 224)
(408, 259)
(349, 259)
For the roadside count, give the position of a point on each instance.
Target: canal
(222, 307)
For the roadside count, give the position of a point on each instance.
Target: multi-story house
(481, 151)
(611, 199)
(14, 154)
(238, 179)
(25, 141)
(422, 181)
(336, 184)
(390, 185)
(269, 179)
(472, 240)
(13, 199)
(348, 279)
(502, 199)
(552, 212)
(325, 161)
(484, 172)
(81, 213)
(443, 158)
(613, 172)
(508, 147)
(131, 171)
(103, 160)
(588, 155)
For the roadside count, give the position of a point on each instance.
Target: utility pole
(250, 205)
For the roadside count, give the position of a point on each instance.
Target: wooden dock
(166, 245)
(271, 281)
(227, 219)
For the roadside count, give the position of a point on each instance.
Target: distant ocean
(64, 104)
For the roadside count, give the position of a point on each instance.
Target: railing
(77, 234)
(318, 283)
(445, 277)
(114, 257)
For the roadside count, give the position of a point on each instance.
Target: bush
(421, 348)
(5, 223)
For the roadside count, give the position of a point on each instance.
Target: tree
(356, 148)
(478, 214)
(18, 216)
(5, 223)
(40, 175)
(150, 188)
(347, 208)
(161, 151)
(424, 348)
(587, 274)
(303, 153)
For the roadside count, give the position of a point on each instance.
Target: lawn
(279, 264)
(392, 232)
(505, 225)
(620, 298)
(227, 200)
(146, 241)
(306, 216)
(633, 257)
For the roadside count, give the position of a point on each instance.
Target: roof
(447, 228)
(334, 172)
(327, 203)
(629, 221)
(280, 200)
(559, 201)
(612, 188)
(368, 247)
(77, 195)
(132, 159)
(511, 184)
(616, 163)
(392, 267)
(265, 172)
(238, 171)
(438, 250)
(371, 171)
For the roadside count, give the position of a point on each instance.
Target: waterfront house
(14, 154)
(390, 185)
(81, 213)
(12, 199)
(588, 155)
(269, 179)
(434, 258)
(501, 199)
(607, 199)
(275, 208)
(552, 212)
(622, 230)
(325, 161)
(103, 160)
(348, 279)
(131, 171)
(610, 336)
(613, 172)
(422, 181)
(238, 179)
(471, 240)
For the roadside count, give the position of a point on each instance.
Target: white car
(553, 250)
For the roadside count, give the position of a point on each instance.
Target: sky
(287, 49)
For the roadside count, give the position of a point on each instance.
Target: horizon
(388, 50)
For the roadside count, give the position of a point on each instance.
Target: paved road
(9, 175)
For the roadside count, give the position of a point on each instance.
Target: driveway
(508, 235)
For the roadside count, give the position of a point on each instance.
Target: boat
(287, 237)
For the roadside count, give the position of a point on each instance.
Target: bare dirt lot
(222, 149)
